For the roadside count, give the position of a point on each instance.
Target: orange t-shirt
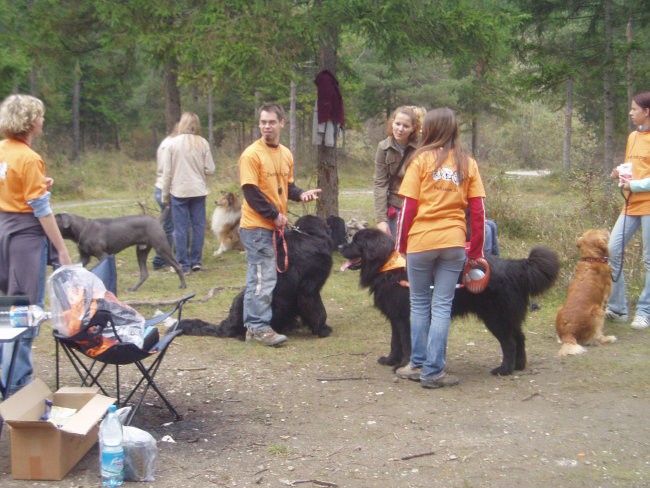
(271, 170)
(442, 200)
(637, 152)
(22, 176)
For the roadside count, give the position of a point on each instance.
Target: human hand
(281, 221)
(624, 183)
(49, 182)
(309, 195)
(383, 226)
(614, 174)
(63, 256)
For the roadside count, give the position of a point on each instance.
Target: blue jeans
(617, 242)
(261, 277)
(431, 309)
(392, 223)
(168, 226)
(23, 367)
(188, 213)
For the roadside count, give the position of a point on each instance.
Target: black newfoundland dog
(296, 297)
(502, 306)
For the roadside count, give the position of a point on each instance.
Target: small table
(10, 334)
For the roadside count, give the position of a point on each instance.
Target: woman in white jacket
(186, 163)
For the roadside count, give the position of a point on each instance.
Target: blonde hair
(190, 125)
(411, 114)
(18, 115)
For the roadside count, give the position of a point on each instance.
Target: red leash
(280, 232)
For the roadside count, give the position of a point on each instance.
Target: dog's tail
(541, 269)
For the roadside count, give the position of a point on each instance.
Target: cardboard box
(40, 451)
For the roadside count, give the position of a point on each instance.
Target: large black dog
(502, 306)
(297, 292)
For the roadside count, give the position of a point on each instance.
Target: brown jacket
(390, 166)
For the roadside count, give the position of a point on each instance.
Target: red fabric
(477, 226)
(330, 101)
(404, 223)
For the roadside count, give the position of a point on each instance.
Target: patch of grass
(278, 450)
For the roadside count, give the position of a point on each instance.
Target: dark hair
(271, 107)
(440, 131)
(415, 122)
(642, 99)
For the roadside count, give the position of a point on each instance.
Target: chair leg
(150, 382)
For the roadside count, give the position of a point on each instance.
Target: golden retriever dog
(580, 320)
(225, 223)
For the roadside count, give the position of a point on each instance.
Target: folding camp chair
(90, 353)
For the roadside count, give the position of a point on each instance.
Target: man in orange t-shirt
(266, 178)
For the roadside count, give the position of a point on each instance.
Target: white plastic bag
(76, 295)
(140, 454)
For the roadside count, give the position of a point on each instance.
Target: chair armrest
(164, 342)
(178, 307)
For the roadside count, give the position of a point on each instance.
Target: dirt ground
(307, 414)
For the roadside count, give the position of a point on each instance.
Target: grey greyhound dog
(102, 237)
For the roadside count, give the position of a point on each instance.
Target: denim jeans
(392, 223)
(261, 277)
(617, 242)
(23, 367)
(188, 213)
(431, 309)
(168, 226)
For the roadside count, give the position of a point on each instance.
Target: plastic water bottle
(112, 451)
(5, 317)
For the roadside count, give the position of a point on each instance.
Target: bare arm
(54, 235)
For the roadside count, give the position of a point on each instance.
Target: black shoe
(196, 267)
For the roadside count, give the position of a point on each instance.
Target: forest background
(536, 83)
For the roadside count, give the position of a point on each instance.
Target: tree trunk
(76, 94)
(292, 119)
(629, 75)
(608, 90)
(568, 124)
(328, 178)
(172, 95)
(211, 121)
(32, 82)
(475, 136)
(255, 130)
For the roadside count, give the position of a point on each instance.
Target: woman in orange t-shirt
(440, 183)
(26, 220)
(635, 215)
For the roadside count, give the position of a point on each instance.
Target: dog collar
(595, 260)
(395, 261)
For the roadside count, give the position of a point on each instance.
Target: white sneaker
(615, 316)
(640, 322)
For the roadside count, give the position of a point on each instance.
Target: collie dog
(580, 320)
(225, 223)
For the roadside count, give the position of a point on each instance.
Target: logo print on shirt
(445, 174)
(3, 171)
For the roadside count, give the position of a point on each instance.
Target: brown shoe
(409, 372)
(266, 336)
(444, 380)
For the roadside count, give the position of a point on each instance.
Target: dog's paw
(325, 331)
(501, 371)
(388, 361)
